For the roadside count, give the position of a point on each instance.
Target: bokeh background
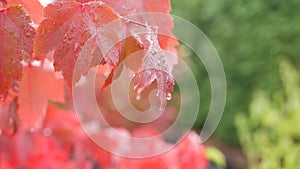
(259, 45)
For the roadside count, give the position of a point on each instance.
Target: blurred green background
(270, 134)
(251, 37)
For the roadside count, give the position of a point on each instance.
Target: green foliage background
(270, 134)
(251, 38)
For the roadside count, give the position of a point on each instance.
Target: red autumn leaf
(127, 7)
(137, 10)
(16, 35)
(191, 152)
(32, 7)
(63, 124)
(156, 69)
(47, 154)
(67, 27)
(9, 118)
(37, 87)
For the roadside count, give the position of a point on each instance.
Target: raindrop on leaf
(47, 131)
(135, 87)
(43, 31)
(76, 46)
(138, 94)
(169, 96)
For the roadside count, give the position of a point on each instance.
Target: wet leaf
(16, 35)
(32, 7)
(68, 26)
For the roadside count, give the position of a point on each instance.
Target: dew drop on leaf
(135, 87)
(138, 94)
(138, 97)
(169, 96)
(161, 107)
(76, 46)
(47, 131)
(15, 86)
(43, 31)
(10, 121)
(4, 96)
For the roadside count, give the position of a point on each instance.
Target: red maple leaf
(156, 69)
(154, 66)
(16, 35)
(138, 11)
(32, 7)
(37, 87)
(67, 27)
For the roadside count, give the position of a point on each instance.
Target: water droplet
(161, 107)
(15, 86)
(32, 129)
(135, 87)
(4, 96)
(82, 7)
(169, 96)
(133, 75)
(47, 131)
(138, 94)
(54, 23)
(19, 7)
(95, 18)
(10, 121)
(76, 46)
(43, 31)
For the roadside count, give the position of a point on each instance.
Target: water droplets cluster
(155, 68)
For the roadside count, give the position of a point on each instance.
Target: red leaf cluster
(61, 143)
(16, 35)
(38, 126)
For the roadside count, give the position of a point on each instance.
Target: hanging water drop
(4, 96)
(161, 107)
(138, 97)
(47, 131)
(15, 86)
(135, 87)
(138, 94)
(169, 96)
